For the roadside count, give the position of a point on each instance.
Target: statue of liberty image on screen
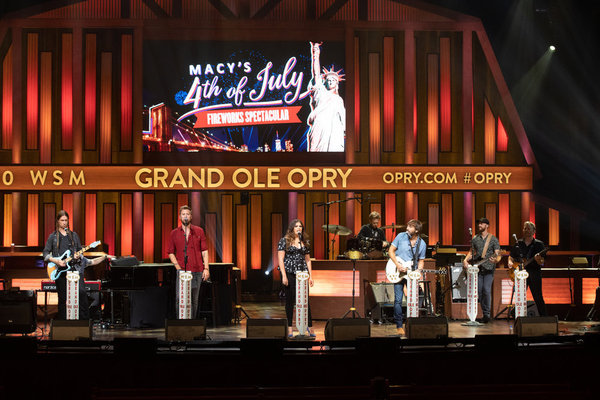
(327, 119)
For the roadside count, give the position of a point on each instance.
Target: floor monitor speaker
(70, 329)
(266, 328)
(185, 329)
(427, 328)
(347, 328)
(536, 326)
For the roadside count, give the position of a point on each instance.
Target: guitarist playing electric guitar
(532, 251)
(484, 246)
(59, 242)
(406, 250)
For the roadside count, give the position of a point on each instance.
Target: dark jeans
(484, 292)
(534, 282)
(290, 300)
(61, 288)
(398, 296)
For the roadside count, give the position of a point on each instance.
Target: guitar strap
(415, 252)
(487, 244)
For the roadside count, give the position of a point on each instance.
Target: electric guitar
(395, 276)
(54, 271)
(521, 266)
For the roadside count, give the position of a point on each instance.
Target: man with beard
(484, 246)
(188, 251)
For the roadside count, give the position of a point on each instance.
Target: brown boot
(400, 331)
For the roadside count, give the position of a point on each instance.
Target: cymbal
(337, 229)
(392, 226)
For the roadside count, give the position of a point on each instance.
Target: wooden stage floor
(270, 310)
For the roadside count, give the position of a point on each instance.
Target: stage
(121, 362)
(275, 310)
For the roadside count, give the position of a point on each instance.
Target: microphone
(515, 236)
(471, 231)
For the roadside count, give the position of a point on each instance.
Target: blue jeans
(484, 292)
(398, 295)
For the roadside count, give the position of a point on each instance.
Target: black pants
(61, 288)
(290, 300)
(534, 282)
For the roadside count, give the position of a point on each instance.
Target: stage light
(267, 273)
(552, 48)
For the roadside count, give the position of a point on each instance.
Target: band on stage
(188, 251)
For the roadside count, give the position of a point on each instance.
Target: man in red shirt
(188, 251)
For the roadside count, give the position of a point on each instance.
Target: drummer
(372, 232)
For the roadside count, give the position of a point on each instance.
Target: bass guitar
(521, 266)
(54, 271)
(395, 276)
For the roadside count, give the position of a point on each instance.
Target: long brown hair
(290, 236)
(59, 215)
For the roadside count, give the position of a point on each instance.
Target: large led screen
(253, 97)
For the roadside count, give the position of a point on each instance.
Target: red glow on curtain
(7, 100)
(411, 206)
(490, 213)
(241, 238)
(109, 227)
(433, 222)
(374, 110)
(502, 137)
(196, 209)
(126, 92)
(166, 223)
(90, 92)
(532, 211)
(553, 227)
(148, 239)
(317, 232)
(33, 219)
(445, 96)
(90, 218)
(433, 103)
(126, 223)
(227, 227)
(414, 142)
(446, 219)
(504, 219)
(255, 231)
(210, 229)
(67, 91)
(356, 95)
(67, 205)
(46, 108)
(8, 220)
(49, 219)
(32, 91)
(388, 94)
(276, 234)
(334, 219)
(182, 200)
(390, 215)
(489, 135)
(302, 208)
(105, 108)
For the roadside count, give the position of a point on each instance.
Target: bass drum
(353, 250)
(375, 251)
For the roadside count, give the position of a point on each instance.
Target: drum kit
(365, 248)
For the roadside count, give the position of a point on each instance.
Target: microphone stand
(327, 205)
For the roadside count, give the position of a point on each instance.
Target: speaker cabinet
(76, 329)
(427, 328)
(536, 326)
(185, 329)
(266, 328)
(17, 311)
(347, 328)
